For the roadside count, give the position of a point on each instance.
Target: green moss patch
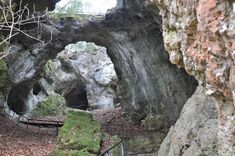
(80, 135)
(51, 106)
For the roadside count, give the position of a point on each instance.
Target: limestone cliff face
(199, 36)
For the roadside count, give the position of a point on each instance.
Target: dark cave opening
(77, 98)
(36, 88)
(17, 97)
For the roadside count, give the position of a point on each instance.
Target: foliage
(79, 136)
(51, 106)
(71, 8)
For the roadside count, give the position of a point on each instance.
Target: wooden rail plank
(43, 124)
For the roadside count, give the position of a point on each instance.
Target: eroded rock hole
(36, 88)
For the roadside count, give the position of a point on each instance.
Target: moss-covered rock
(80, 135)
(3, 75)
(52, 105)
(144, 144)
(50, 69)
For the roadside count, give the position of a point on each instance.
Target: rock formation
(195, 132)
(199, 36)
(85, 74)
(148, 82)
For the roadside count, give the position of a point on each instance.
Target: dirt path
(21, 141)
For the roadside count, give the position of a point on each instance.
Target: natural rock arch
(148, 82)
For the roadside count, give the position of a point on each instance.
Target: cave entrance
(17, 98)
(85, 76)
(77, 98)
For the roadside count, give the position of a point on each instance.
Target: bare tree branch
(12, 20)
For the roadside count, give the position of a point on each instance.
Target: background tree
(71, 8)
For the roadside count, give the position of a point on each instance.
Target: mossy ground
(53, 105)
(80, 136)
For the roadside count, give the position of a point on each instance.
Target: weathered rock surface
(88, 65)
(147, 81)
(143, 145)
(195, 132)
(199, 36)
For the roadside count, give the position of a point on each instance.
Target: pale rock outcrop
(195, 132)
(89, 65)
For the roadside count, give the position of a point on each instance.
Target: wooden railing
(41, 123)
